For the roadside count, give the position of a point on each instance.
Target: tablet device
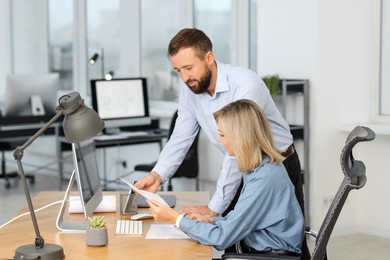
(169, 199)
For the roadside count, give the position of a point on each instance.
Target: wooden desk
(21, 232)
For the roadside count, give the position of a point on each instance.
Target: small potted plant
(273, 84)
(97, 231)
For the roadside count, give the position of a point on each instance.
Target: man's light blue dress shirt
(196, 111)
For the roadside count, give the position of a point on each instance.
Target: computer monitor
(86, 174)
(121, 102)
(31, 95)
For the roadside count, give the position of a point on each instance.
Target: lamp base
(48, 252)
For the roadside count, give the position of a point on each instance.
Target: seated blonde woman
(267, 216)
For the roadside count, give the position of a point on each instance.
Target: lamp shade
(80, 122)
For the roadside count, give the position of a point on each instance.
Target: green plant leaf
(97, 221)
(273, 84)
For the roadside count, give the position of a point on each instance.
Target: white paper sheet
(165, 231)
(146, 194)
(108, 204)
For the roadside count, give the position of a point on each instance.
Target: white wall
(331, 43)
(5, 45)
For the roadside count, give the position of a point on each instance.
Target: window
(213, 17)
(61, 36)
(162, 80)
(103, 38)
(61, 41)
(29, 54)
(253, 35)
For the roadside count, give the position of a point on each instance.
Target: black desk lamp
(80, 123)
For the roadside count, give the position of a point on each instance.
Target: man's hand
(194, 210)
(150, 182)
(162, 213)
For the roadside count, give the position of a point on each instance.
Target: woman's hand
(201, 218)
(197, 209)
(162, 213)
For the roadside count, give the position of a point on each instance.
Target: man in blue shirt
(209, 85)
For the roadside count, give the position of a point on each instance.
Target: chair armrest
(310, 232)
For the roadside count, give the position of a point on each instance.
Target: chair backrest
(354, 178)
(190, 165)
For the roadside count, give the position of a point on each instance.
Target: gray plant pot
(96, 236)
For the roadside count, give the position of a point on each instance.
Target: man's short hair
(190, 38)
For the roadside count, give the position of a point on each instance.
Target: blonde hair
(250, 134)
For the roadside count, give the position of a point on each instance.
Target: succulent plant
(97, 222)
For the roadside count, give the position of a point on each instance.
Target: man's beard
(203, 83)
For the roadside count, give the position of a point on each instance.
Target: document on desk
(146, 194)
(165, 231)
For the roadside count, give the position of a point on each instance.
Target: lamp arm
(38, 133)
(18, 155)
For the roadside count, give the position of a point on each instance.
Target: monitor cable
(28, 213)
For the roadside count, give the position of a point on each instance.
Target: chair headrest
(352, 168)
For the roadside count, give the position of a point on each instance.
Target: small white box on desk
(108, 204)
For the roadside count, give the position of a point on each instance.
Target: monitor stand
(73, 226)
(37, 108)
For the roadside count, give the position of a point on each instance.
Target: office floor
(350, 247)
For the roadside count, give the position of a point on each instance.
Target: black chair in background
(9, 141)
(10, 146)
(190, 165)
(354, 178)
(4, 175)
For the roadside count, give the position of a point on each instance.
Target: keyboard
(133, 133)
(128, 227)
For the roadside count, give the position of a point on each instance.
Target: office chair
(190, 165)
(4, 175)
(10, 146)
(354, 178)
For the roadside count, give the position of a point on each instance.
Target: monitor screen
(31, 95)
(121, 102)
(87, 175)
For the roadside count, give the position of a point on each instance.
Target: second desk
(151, 136)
